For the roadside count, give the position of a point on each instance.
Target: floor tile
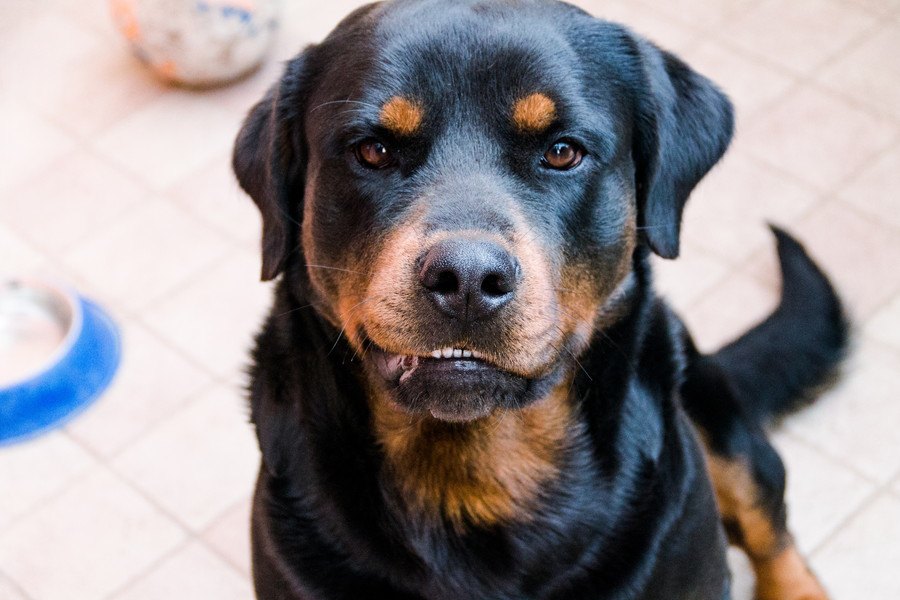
(16, 255)
(884, 325)
(800, 34)
(198, 463)
(30, 143)
(213, 319)
(169, 138)
(874, 190)
(701, 13)
(38, 469)
(743, 581)
(643, 20)
(97, 535)
(26, 59)
(9, 591)
(146, 253)
(229, 535)
(821, 494)
(863, 266)
(212, 194)
(153, 382)
(867, 73)
(70, 199)
(861, 560)
(817, 137)
(856, 420)
(726, 311)
(879, 7)
(192, 573)
(689, 277)
(749, 83)
(728, 212)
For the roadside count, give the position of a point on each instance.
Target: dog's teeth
(446, 352)
(457, 353)
(476, 354)
(467, 353)
(436, 354)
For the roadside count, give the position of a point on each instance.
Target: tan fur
(402, 116)
(533, 113)
(477, 473)
(781, 573)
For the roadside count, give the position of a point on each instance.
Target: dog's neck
(478, 473)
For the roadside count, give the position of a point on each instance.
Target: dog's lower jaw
(474, 473)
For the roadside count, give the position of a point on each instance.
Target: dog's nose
(469, 279)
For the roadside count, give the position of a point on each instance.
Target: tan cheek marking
(534, 113)
(402, 116)
(479, 473)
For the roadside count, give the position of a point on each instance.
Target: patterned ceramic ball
(198, 42)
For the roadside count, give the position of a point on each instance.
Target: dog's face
(462, 186)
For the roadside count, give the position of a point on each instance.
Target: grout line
(845, 522)
(149, 568)
(7, 579)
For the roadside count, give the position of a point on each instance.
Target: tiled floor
(122, 186)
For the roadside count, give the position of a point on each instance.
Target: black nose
(469, 279)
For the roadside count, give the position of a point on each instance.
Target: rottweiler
(467, 387)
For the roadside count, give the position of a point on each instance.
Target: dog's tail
(779, 365)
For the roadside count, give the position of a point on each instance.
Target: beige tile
(876, 190)
(38, 469)
(16, 255)
(213, 319)
(108, 86)
(859, 254)
(146, 253)
(821, 494)
(229, 535)
(870, 72)
(701, 13)
(153, 383)
(30, 144)
(646, 21)
(861, 561)
(689, 277)
(71, 198)
(728, 212)
(729, 309)
(884, 325)
(199, 462)
(10, 591)
(749, 83)
(213, 195)
(743, 582)
(86, 542)
(817, 137)
(800, 34)
(170, 137)
(192, 573)
(44, 45)
(856, 421)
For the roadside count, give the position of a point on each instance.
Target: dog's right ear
(269, 160)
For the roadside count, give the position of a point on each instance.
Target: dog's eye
(373, 154)
(563, 155)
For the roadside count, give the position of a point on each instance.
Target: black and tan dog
(466, 388)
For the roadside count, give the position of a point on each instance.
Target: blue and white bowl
(58, 352)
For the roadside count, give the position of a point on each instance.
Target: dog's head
(461, 187)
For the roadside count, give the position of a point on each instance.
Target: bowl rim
(72, 301)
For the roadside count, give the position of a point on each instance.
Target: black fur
(632, 513)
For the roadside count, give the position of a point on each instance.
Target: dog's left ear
(683, 126)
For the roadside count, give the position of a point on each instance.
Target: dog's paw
(786, 577)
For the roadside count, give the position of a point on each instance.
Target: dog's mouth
(449, 384)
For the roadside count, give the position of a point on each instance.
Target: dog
(467, 387)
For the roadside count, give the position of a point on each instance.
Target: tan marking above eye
(533, 113)
(402, 116)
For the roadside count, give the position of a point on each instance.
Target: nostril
(446, 283)
(495, 284)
